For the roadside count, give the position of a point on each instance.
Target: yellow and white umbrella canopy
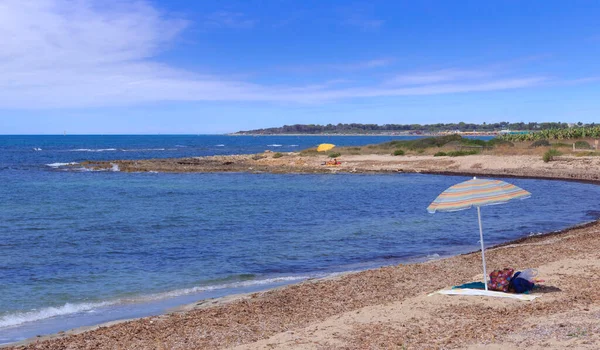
(324, 147)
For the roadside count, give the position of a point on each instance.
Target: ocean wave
(274, 145)
(81, 169)
(220, 145)
(294, 145)
(37, 149)
(434, 256)
(230, 285)
(144, 149)
(93, 150)
(19, 318)
(180, 146)
(57, 165)
(16, 319)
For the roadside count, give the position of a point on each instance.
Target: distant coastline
(437, 129)
(423, 134)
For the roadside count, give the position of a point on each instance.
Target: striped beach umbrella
(477, 193)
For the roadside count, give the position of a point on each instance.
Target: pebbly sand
(389, 307)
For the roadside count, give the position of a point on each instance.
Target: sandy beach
(388, 307)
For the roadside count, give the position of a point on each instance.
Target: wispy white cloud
(339, 66)
(78, 54)
(370, 64)
(438, 76)
(226, 19)
(578, 81)
(433, 89)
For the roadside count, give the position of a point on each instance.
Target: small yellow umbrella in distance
(324, 147)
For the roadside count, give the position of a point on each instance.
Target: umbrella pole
(482, 248)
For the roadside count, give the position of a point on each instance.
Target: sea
(80, 248)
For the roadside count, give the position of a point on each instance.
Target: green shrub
(398, 152)
(550, 154)
(540, 143)
(440, 154)
(473, 142)
(500, 142)
(396, 143)
(582, 145)
(461, 153)
(556, 134)
(561, 145)
(429, 142)
(277, 155)
(420, 143)
(434, 141)
(334, 155)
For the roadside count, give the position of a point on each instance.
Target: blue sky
(214, 67)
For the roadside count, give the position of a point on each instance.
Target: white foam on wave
(57, 165)
(16, 319)
(274, 145)
(37, 149)
(93, 150)
(209, 288)
(81, 169)
(19, 318)
(143, 149)
(220, 145)
(293, 145)
(114, 167)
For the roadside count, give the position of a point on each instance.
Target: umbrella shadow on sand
(545, 289)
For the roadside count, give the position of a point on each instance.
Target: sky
(198, 67)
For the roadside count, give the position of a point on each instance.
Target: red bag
(500, 279)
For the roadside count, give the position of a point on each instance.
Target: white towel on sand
(487, 293)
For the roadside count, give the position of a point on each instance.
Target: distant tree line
(355, 128)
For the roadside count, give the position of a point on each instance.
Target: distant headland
(413, 129)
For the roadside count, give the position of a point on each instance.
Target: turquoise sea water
(79, 248)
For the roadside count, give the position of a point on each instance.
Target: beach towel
(480, 285)
(486, 293)
(470, 285)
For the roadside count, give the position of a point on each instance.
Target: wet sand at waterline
(389, 308)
